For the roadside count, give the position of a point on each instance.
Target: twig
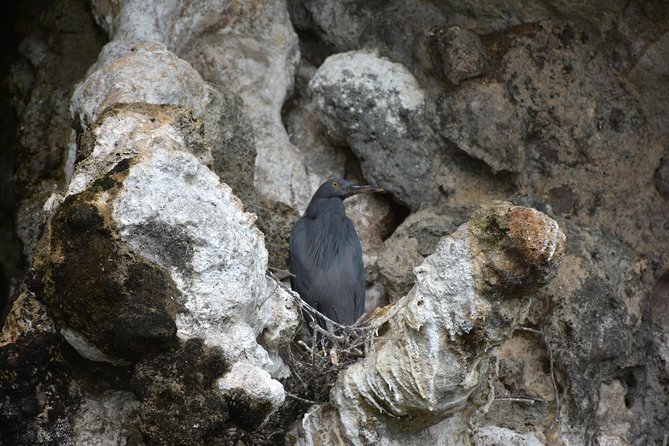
(276, 287)
(284, 272)
(550, 365)
(311, 310)
(300, 399)
(519, 399)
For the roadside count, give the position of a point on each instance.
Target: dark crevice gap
(10, 249)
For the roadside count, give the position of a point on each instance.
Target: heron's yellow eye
(335, 184)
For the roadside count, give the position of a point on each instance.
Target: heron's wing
(299, 263)
(354, 276)
(329, 274)
(336, 286)
(360, 286)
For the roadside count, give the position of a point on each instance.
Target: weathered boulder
(44, 401)
(376, 107)
(170, 390)
(144, 250)
(262, 37)
(430, 355)
(58, 44)
(565, 104)
(153, 196)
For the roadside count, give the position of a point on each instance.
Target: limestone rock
(418, 371)
(323, 159)
(275, 220)
(58, 44)
(565, 104)
(181, 386)
(263, 38)
(461, 54)
(499, 436)
(370, 215)
(143, 212)
(377, 108)
(135, 71)
(230, 136)
(610, 305)
(162, 223)
(412, 241)
(38, 392)
(110, 418)
(662, 178)
(347, 25)
(482, 120)
(202, 34)
(648, 72)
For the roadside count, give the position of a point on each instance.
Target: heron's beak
(353, 189)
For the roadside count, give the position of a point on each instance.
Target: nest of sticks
(315, 358)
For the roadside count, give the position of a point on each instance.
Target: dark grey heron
(325, 257)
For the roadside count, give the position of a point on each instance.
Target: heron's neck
(322, 206)
(329, 233)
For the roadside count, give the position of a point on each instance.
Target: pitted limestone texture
(411, 242)
(179, 400)
(128, 72)
(461, 55)
(227, 293)
(432, 356)
(376, 107)
(249, 48)
(108, 303)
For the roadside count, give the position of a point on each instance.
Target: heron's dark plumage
(325, 255)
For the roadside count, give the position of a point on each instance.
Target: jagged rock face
(250, 49)
(148, 261)
(59, 44)
(126, 274)
(600, 329)
(143, 252)
(126, 312)
(36, 386)
(431, 356)
(169, 390)
(460, 54)
(561, 142)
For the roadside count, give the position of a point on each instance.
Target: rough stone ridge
(559, 106)
(145, 248)
(432, 356)
(255, 55)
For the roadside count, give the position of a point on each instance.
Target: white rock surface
(220, 270)
(376, 107)
(500, 436)
(106, 420)
(244, 377)
(249, 47)
(256, 56)
(124, 135)
(219, 260)
(392, 87)
(136, 71)
(85, 348)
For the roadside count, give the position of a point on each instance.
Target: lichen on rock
(431, 355)
(145, 315)
(377, 108)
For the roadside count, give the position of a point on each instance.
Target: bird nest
(315, 358)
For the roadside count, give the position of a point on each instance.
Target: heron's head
(338, 188)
